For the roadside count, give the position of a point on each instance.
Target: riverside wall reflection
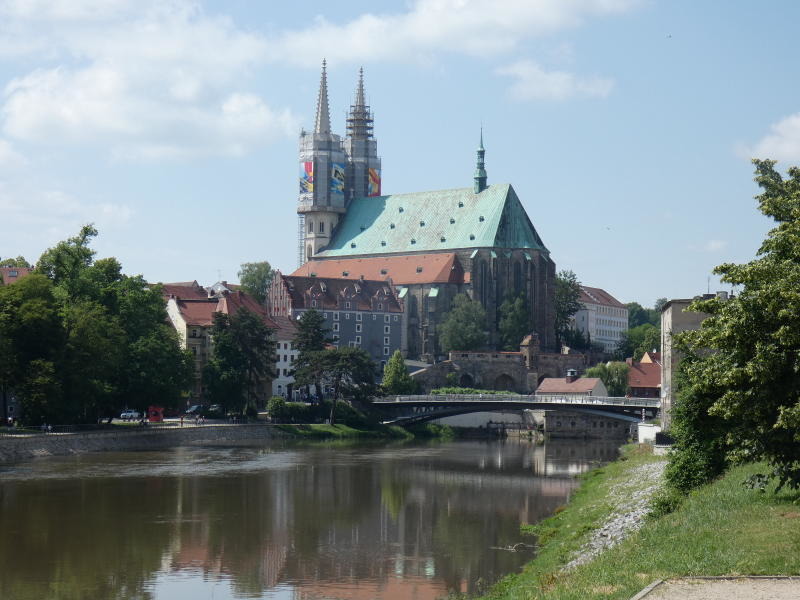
(322, 522)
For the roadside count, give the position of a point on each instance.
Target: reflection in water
(297, 523)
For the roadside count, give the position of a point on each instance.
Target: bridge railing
(569, 399)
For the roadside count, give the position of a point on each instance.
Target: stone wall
(17, 447)
(563, 424)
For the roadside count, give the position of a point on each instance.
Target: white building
(603, 317)
(286, 355)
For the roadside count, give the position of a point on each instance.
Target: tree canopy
(614, 376)
(740, 387)
(18, 262)
(81, 340)
(567, 300)
(396, 380)
(255, 279)
(638, 340)
(515, 321)
(464, 328)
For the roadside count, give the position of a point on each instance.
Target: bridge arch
(504, 382)
(466, 380)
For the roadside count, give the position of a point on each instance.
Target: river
(287, 521)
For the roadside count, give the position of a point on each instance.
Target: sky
(625, 126)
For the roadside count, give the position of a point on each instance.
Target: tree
(515, 321)
(744, 358)
(567, 301)
(638, 340)
(255, 279)
(614, 376)
(350, 372)
(244, 351)
(311, 337)
(18, 262)
(64, 263)
(396, 380)
(464, 328)
(659, 306)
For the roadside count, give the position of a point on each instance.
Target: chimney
(572, 375)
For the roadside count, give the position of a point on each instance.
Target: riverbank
(720, 529)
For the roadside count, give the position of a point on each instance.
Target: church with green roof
(349, 229)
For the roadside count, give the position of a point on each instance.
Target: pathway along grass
(720, 529)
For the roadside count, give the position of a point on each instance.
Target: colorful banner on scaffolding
(337, 180)
(307, 178)
(374, 188)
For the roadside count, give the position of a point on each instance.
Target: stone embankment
(631, 501)
(21, 447)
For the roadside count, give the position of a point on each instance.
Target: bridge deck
(519, 399)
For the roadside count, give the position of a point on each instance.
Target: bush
(665, 502)
(463, 390)
(276, 407)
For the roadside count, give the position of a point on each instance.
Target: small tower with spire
(322, 179)
(363, 163)
(480, 169)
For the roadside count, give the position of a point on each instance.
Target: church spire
(323, 122)
(480, 170)
(359, 120)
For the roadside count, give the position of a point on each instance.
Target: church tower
(322, 180)
(363, 164)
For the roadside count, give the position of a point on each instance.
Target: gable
(434, 221)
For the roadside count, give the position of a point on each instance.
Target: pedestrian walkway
(723, 588)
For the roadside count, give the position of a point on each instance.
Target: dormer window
(383, 242)
(384, 271)
(345, 273)
(391, 225)
(352, 244)
(380, 305)
(419, 269)
(452, 220)
(400, 209)
(313, 304)
(472, 236)
(347, 305)
(442, 239)
(480, 218)
(422, 223)
(460, 205)
(413, 241)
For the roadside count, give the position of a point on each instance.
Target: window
(380, 305)
(285, 345)
(395, 318)
(324, 315)
(313, 304)
(386, 351)
(347, 305)
(386, 341)
(386, 318)
(336, 338)
(285, 358)
(13, 273)
(347, 315)
(358, 316)
(387, 329)
(336, 316)
(321, 227)
(358, 327)
(336, 327)
(358, 339)
(194, 333)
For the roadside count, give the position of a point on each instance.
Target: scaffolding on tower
(301, 232)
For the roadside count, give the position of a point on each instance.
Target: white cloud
(783, 143)
(475, 27)
(8, 156)
(715, 245)
(532, 82)
(144, 79)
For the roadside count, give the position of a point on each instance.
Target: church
(430, 246)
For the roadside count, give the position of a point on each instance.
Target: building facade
(603, 318)
(482, 234)
(358, 313)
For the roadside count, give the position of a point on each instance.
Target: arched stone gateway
(466, 380)
(505, 382)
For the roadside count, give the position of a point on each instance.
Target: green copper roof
(434, 221)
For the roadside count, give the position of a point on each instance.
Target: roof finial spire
(480, 170)
(323, 122)
(360, 102)
(359, 120)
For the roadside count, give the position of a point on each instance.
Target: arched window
(309, 252)
(322, 227)
(311, 227)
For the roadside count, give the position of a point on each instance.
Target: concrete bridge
(407, 410)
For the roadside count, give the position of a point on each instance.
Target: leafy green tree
(65, 262)
(464, 328)
(311, 337)
(638, 340)
(567, 302)
(614, 376)
(350, 372)
(576, 339)
(396, 380)
(244, 351)
(515, 321)
(18, 262)
(745, 370)
(255, 279)
(658, 307)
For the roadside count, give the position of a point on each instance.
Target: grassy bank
(720, 529)
(330, 432)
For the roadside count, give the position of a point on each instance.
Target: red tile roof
(184, 289)
(402, 270)
(590, 295)
(644, 375)
(200, 312)
(559, 385)
(333, 293)
(7, 277)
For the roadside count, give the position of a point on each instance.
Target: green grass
(720, 529)
(327, 432)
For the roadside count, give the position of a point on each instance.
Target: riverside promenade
(23, 446)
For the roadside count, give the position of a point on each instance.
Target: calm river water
(390, 522)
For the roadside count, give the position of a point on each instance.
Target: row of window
(612, 323)
(613, 311)
(387, 329)
(609, 333)
(386, 318)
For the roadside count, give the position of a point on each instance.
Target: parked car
(194, 410)
(130, 415)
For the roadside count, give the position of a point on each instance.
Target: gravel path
(631, 501)
(742, 588)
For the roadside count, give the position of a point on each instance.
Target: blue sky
(626, 127)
